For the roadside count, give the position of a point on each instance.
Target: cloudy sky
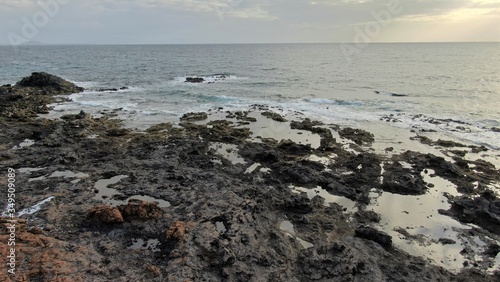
(247, 21)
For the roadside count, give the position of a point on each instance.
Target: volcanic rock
(195, 79)
(50, 83)
(106, 214)
(142, 210)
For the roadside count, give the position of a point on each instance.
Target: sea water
(459, 82)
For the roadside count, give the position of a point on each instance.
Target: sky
(247, 21)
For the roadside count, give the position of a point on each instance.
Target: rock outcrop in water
(49, 83)
(195, 79)
(30, 96)
(226, 221)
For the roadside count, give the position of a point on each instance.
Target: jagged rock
(141, 210)
(106, 214)
(404, 181)
(492, 250)
(195, 79)
(159, 127)
(274, 116)
(367, 217)
(189, 117)
(49, 82)
(483, 211)
(446, 241)
(79, 116)
(178, 230)
(107, 90)
(118, 132)
(374, 235)
(359, 136)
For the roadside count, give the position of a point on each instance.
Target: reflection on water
(106, 194)
(329, 198)
(417, 227)
(151, 244)
(289, 229)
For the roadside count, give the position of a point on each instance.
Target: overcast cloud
(245, 21)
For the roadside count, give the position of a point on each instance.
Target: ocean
(455, 82)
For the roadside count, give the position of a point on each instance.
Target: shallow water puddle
(252, 168)
(269, 128)
(30, 169)
(326, 161)
(221, 228)
(151, 244)
(31, 210)
(65, 174)
(417, 227)
(228, 151)
(69, 174)
(161, 203)
(329, 198)
(265, 170)
(287, 227)
(265, 127)
(106, 194)
(26, 143)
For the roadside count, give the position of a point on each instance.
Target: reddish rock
(43, 258)
(153, 270)
(178, 230)
(137, 209)
(106, 214)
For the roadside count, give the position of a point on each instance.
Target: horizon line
(245, 43)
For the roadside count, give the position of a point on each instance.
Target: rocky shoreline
(213, 198)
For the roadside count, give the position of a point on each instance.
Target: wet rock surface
(359, 136)
(195, 79)
(31, 96)
(225, 221)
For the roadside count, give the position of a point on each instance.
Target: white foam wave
(85, 84)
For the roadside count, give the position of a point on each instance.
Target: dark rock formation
(483, 211)
(189, 117)
(49, 83)
(274, 116)
(359, 136)
(30, 96)
(195, 79)
(404, 181)
(106, 214)
(223, 224)
(374, 235)
(141, 210)
(107, 90)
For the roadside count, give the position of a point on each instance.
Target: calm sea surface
(458, 81)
